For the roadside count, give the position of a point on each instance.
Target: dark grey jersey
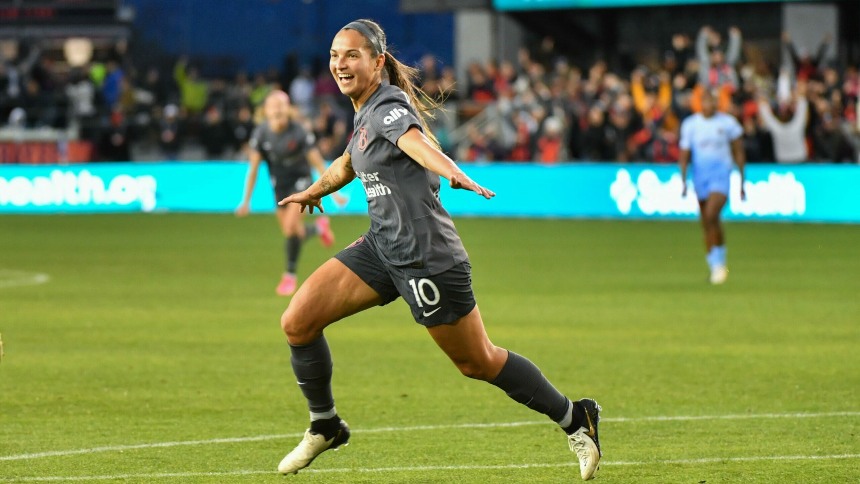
(285, 152)
(407, 221)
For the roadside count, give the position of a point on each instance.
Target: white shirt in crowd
(789, 138)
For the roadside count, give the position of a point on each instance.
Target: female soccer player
(713, 140)
(411, 250)
(288, 149)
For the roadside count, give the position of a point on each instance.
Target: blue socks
(717, 256)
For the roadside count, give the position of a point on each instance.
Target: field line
(380, 470)
(258, 438)
(13, 278)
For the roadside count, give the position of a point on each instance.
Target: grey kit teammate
(411, 250)
(288, 151)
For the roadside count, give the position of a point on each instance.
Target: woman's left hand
(462, 181)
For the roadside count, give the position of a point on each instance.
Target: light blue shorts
(712, 180)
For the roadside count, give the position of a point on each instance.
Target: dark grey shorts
(286, 186)
(434, 300)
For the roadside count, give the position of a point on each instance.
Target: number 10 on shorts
(425, 291)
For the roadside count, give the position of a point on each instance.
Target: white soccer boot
(719, 274)
(585, 443)
(312, 445)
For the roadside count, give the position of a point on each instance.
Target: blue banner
(802, 193)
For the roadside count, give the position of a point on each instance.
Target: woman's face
(709, 105)
(277, 110)
(353, 65)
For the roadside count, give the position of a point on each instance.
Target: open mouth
(345, 79)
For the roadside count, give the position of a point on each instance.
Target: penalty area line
(260, 438)
(381, 470)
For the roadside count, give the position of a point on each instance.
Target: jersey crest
(362, 138)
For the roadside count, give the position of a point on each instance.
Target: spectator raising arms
(806, 67)
(717, 66)
(787, 127)
(193, 90)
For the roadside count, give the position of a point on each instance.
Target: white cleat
(719, 274)
(585, 443)
(312, 445)
(586, 451)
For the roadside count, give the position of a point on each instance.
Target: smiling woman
(412, 250)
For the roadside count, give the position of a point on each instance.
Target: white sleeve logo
(394, 115)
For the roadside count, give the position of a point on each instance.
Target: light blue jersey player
(713, 141)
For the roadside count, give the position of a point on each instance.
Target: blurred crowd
(538, 108)
(133, 112)
(546, 110)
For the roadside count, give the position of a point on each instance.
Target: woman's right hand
(305, 199)
(242, 210)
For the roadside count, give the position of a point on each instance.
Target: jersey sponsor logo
(394, 115)
(362, 139)
(368, 177)
(377, 190)
(373, 189)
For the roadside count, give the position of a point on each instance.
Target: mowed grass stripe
(372, 470)
(258, 438)
(163, 329)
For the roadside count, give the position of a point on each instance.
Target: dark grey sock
(293, 247)
(311, 230)
(312, 366)
(523, 381)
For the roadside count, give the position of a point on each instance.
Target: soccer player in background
(713, 141)
(412, 250)
(289, 152)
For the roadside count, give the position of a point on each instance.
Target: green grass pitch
(151, 352)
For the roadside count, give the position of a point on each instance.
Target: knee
(484, 367)
(711, 220)
(714, 221)
(298, 332)
(473, 370)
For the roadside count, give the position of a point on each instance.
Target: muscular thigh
(713, 205)
(330, 294)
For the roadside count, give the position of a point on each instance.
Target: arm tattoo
(327, 183)
(332, 180)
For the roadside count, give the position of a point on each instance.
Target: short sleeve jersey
(710, 139)
(285, 152)
(407, 221)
